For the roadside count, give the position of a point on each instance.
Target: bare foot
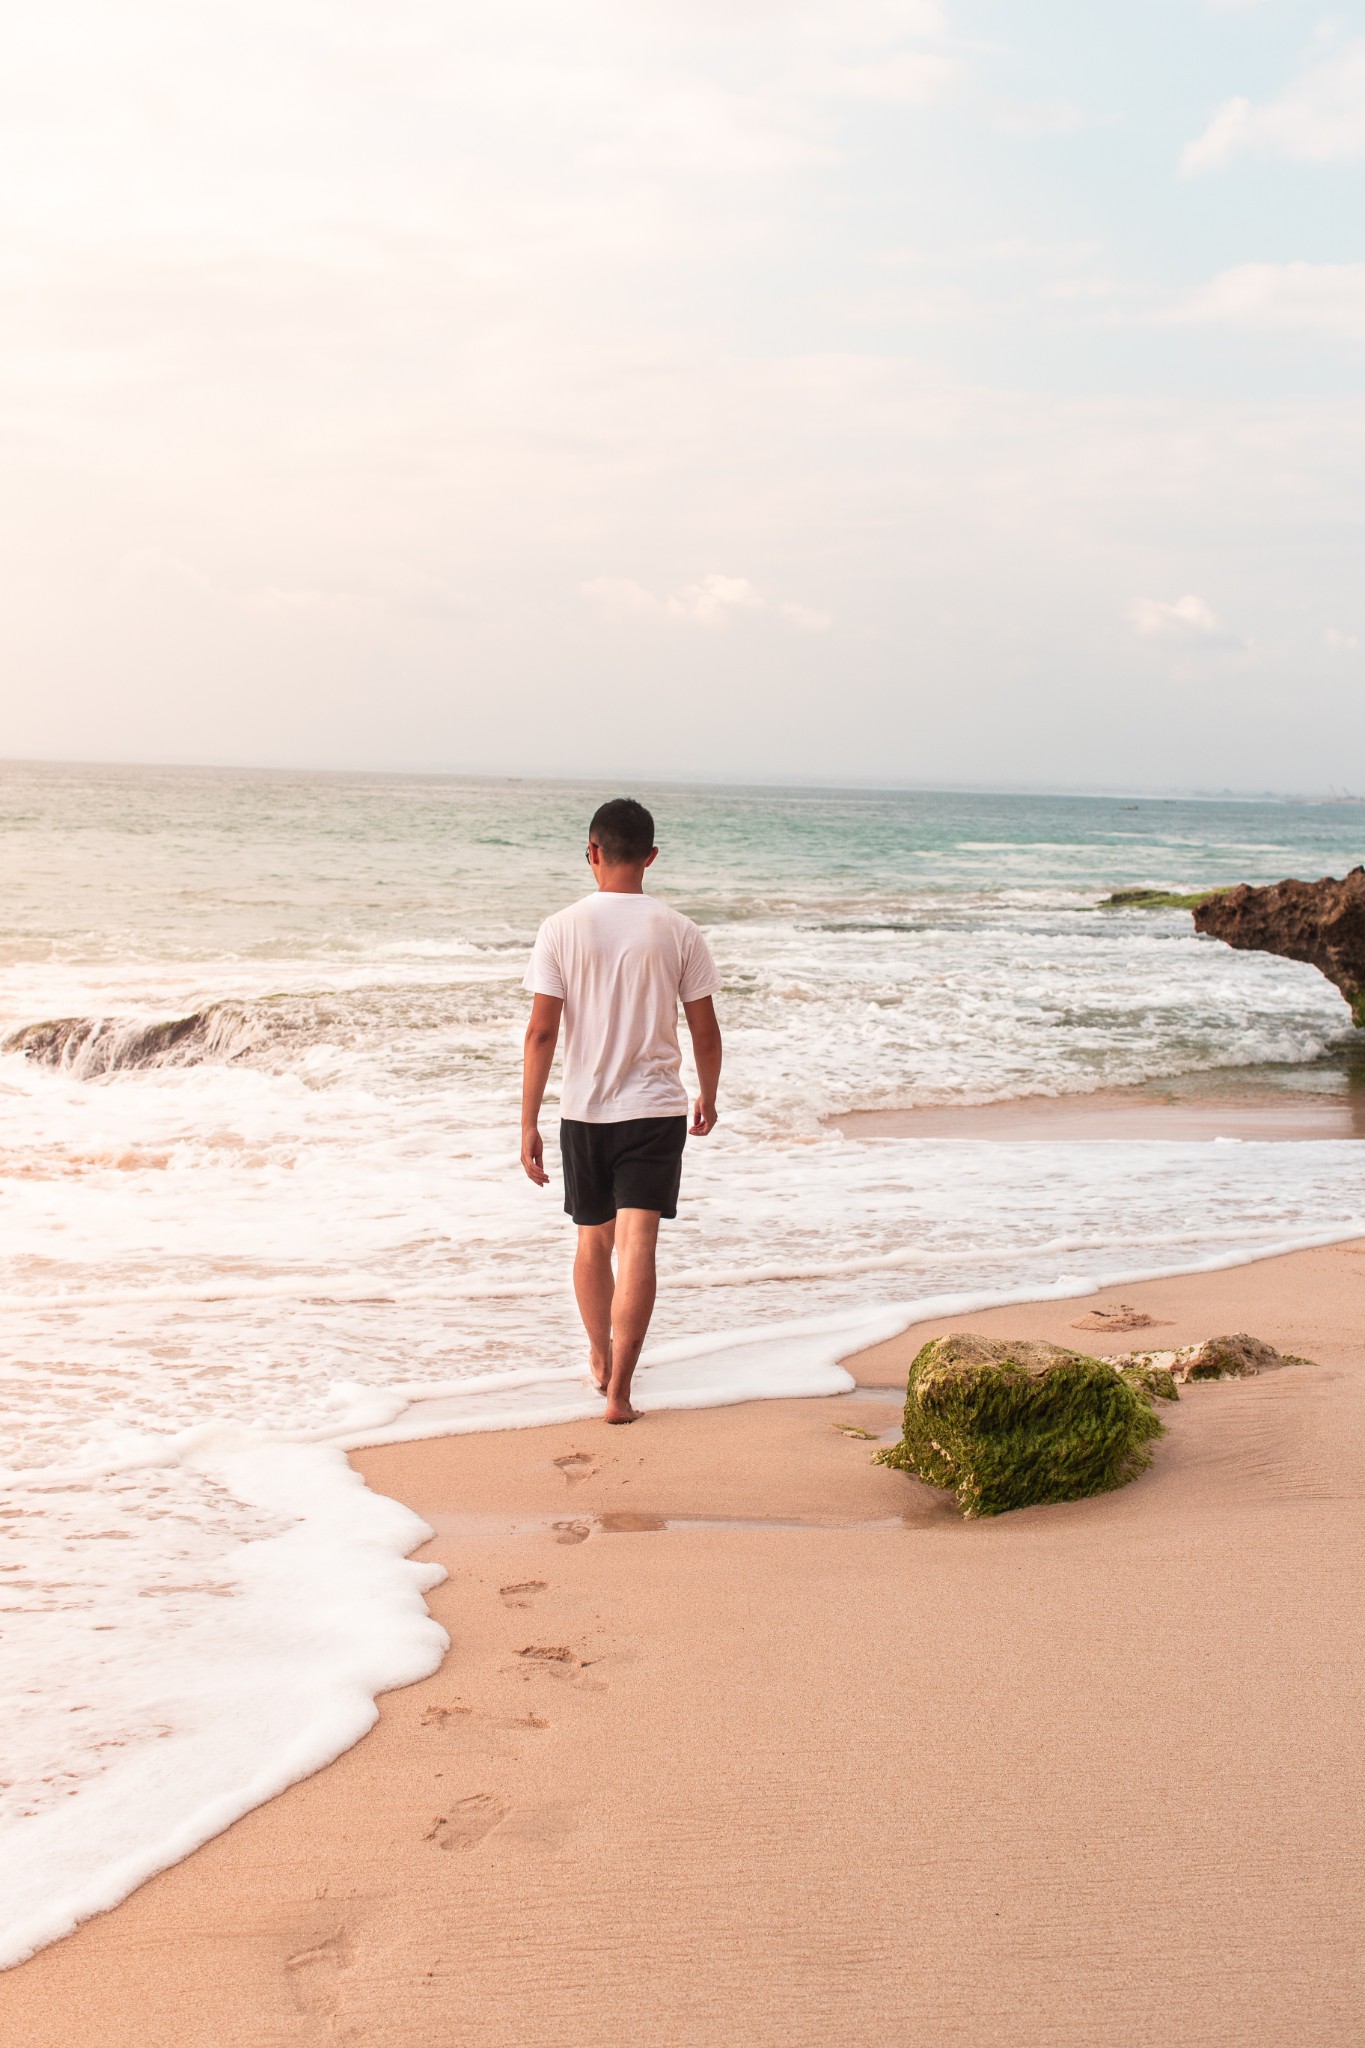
(620, 1411)
(601, 1371)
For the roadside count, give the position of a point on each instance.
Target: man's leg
(593, 1283)
(632, 1304)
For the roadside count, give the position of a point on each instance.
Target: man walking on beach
(614, 966)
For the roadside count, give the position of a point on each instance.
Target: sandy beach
(742, 1739)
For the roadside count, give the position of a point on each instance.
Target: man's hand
(701, 1022)
(533, 1157)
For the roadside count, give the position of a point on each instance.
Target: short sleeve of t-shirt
(699, 976)
(544, 976)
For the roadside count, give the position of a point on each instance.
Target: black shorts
(632, 1165)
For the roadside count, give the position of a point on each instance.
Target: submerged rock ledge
(1157, 899)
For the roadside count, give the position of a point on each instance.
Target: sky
(856, 390)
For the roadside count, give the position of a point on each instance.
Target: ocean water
(261, 1202)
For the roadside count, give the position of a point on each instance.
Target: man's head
(621, 834)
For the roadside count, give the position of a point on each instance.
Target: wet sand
(1189, 1110)
(824, 1764)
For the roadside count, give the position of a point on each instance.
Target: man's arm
(542, 1036)
(701, 1022)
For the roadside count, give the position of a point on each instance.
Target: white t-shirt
(622, 964)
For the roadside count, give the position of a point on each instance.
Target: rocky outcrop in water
(1009, 1424)
(90, 1046)
(1321, 923)
(276, 1031)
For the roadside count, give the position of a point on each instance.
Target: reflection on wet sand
(1321, 1100)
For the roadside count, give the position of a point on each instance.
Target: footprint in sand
(557, 1660)
(571, 1532)
(520, 1595)
(314, 1973)
(576, 1465)
(1119, 1317)
(468, 1821)
(548, 1825)
(436, 1717)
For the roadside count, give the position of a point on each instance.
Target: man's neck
(621, 881)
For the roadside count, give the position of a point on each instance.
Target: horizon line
(866, 785)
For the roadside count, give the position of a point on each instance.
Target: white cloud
(1319, 118)
(1338, 642)
(1326, 297)
(740, 92)
(711, 601)
(1187, 622)
(620, 597)
(907, 78)
(714, 600)
(802, 615)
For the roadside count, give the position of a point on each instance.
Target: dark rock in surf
(90, 1046)
(1321, 923)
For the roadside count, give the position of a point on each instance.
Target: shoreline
(1197, 1107)
(894, 1776)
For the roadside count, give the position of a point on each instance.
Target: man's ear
(653, 856)
(594, 852)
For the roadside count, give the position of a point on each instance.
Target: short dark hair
(624, 830)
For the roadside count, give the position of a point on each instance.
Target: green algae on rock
(1151, 1376)
(1012, 1424)
(1158, 899)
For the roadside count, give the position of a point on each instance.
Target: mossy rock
(1155, 1382)
(1158, 899)
(1006, 1425)
(1240, 1356)
(1225, 1358)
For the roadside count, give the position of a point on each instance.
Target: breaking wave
(91, 1046)
(407, 1024)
